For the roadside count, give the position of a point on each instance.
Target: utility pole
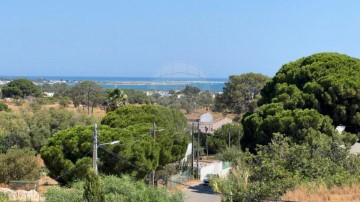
(229, 137)
(192, 147)
(95, 146)
(239, 139)
(198, 149)
(153, 173)
(206, 136)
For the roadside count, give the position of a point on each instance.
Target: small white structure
(355, 149)
(187, 153)
(218, 167)
(49, 94)
(340, 128)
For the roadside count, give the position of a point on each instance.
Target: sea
(138, 83)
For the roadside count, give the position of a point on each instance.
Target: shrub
(18, 164)
(116, 189)
(4, 197)
(58, 194)
(4, 107)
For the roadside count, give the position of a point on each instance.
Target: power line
(73, 169)
(124, 160)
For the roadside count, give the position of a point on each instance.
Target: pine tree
(93, 191)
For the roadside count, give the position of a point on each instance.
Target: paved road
(200, 193)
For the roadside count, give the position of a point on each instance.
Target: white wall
(213, 168)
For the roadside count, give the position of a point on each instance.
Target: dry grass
(98, 113)
(322, 193)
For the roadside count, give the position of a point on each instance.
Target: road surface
(200, 193)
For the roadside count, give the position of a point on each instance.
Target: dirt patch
(44, 183)
(322, 193)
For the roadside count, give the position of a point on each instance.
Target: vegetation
(4, 197)
(291, 141)
(32, 127)
(241, 93)
(287, 135)
(308, 97)
(61, 194)
(115, 98)
(121, 188)
(171, 139)
(220, 139)
(87, 93)
(326, 82)
(20, 88)
(4, 107)
(283, 164)
(188, 99)
(138, 152)
(18, 164)
(14, 131)
(93, 191)
(136, 97)
(59, 89)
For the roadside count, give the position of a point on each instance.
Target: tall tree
(115, 99)
(137, 153)
(87, 93)
(93, 190)
(304, 95)
(326, 82)
(13, 131)
(241, 93)
(20, 88)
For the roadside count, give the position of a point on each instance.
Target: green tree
(326, 82)
(205, 100)
(87, 93)
(93, 190)
(13, 131)
(138, 151)
(241, 93)
(20, 88)
(115, 99)
(136, 97)
(70, 149)
(307, 97)
(303, 125)
(64, 102)
(220, 140)
(191, 90)
(172, 139)
(18, 164)
(44, 123)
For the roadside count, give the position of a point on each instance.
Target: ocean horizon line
(80, 76)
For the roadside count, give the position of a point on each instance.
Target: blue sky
(135, 38)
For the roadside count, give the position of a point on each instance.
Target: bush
(18, 164)
(58, 194)
(4, 107)
(4, 197)
(116, 189)
(46, 100)
(93, 191)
